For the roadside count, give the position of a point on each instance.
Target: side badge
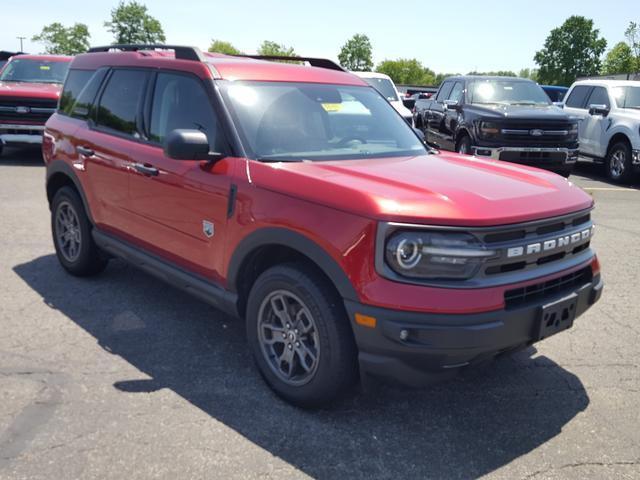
(207, 228)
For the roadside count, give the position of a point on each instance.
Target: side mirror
(419, 133)
(184, 144)
(451, 105)
(598, 110)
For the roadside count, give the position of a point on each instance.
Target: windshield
(507, 92)
(304, 121)
(384, 86)
(34, 71)
(627, 97)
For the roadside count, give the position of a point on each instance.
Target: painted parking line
(610, 189)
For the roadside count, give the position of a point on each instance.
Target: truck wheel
(464, 145)
(75, 248)
(618, 162)
(300, 336)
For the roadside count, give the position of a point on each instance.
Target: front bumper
(20, 134)
(543, 157)
(417, 349)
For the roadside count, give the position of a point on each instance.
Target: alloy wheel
(288, 337)
(617, 163)
(68, 233)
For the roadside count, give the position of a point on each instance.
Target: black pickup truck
(503, 118)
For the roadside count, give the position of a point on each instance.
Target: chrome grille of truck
(26, 110)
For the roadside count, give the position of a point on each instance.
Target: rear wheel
(300, 336)
(463, 146)
(75, 248)
(618, 162)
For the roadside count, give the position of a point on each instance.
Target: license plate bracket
(556, 316)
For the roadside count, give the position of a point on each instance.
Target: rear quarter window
(75, 82)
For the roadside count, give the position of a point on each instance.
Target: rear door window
(578, 96)
(119, 108)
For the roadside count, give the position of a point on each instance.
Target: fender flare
(60, 167)
(291, 239)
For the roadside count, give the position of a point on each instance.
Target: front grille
(550, 134)
(539, 291)
(537, 158)
(37, 110)
(530, 245)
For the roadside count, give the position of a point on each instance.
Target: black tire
(463, 145)
(335, 368)
(86, 259)
(618, 163)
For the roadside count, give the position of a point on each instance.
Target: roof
(49, 58)
(487, 77)
(372, 75)
(218, 66)
(557, 88)
(610, 83)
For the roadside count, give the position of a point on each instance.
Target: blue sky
(462, 36)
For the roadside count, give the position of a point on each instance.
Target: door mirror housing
(598, 110)
(182, 144)
(452, 105)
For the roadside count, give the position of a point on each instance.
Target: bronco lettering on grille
(550, 244)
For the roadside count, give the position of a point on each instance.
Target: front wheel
(464, 145)
(300, 336)
(618, 163)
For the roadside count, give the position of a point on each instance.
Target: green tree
(272, 48)
(570, 51)
(620, 59)
(220, 46)
(356, 54)
(407, 71)
(441, 76)
(130, 23)
(530, 73)
(632, 33)
(61, 40)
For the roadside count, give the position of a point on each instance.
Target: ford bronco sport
(294, 196)
(29, 91)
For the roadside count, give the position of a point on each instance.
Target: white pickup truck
(610, 124)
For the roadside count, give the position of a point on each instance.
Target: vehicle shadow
(461, 429)
(29, 156)
(595, 171)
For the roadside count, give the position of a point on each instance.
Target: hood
(520, 112)
(402, 110)
(441, 189)
(49, 91)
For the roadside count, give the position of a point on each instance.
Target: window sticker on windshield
(508, 88)
(45, 67)
(332, 107)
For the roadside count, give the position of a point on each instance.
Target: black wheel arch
(270, 238)
(617, 138)
(60, 174)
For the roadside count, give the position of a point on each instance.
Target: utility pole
(21, 46)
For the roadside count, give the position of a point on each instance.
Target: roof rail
(182, 52)
(314, 62)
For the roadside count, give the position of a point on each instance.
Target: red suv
(297, 198)
(29, 92)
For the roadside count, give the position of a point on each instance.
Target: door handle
(87, 152)
(146, 169)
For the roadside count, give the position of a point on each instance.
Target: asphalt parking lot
(121, 376)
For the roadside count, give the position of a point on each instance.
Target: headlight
(573, 130)
(489, 129)
(435, 255)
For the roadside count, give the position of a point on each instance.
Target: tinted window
(180, 101)
(34, 71)
(119, 105)
(578, 96)
(444, 91)
(281, 121)
(599, 96)
(84, 104)
(384, 86)
(76, 81)
(456, 92)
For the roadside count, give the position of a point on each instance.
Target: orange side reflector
(365, 320)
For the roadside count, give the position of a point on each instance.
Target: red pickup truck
(30, 88)
(297, 198)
